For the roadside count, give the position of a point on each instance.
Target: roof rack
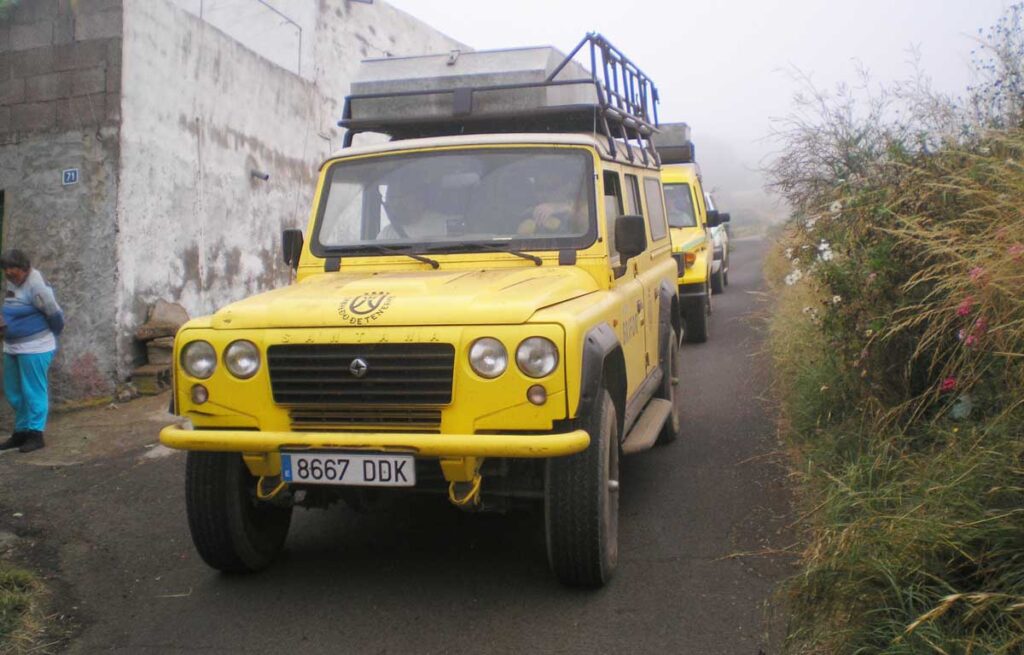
(505, 91)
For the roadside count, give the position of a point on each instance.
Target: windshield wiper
(397, 250)
(490, 247)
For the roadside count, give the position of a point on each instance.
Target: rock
(152, 379)
(164, 320)
(160, 350)
(125, 392)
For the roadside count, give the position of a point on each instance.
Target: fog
(727, 67)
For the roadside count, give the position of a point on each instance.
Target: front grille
(365, 419)
(396, 374)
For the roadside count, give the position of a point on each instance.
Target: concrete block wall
(60, 66)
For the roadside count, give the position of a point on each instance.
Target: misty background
(728, 68)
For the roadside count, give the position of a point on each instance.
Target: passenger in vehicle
(410, 217)
(560, 205)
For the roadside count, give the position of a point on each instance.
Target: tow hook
(465, 495)
(274, 483)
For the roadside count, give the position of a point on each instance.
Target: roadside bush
(899, 346)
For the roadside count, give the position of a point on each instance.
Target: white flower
(809, 224)
(789, 253)
(836, 300)
(826, 256)
(794, 277)
(835, 207)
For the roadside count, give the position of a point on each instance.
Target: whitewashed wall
(200, 112)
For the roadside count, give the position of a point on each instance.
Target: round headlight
(537, 357)
(242, 358)
(199, 359)
(488, 357)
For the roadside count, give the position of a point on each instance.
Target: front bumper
(425, 445)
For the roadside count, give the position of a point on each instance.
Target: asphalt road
(102, 514)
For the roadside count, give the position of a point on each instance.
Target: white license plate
(358, 469)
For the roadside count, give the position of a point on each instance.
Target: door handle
(639, 306)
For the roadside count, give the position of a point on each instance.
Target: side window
(612, 210)
(702, 209)
(633, 195)
(655, 207)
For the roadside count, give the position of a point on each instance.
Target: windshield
(536, 198)
(680, 205)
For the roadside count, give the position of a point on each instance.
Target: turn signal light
(690, 258)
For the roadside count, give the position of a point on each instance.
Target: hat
(14, 258)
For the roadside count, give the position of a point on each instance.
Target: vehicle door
(660, 265)
(628, 324)
(644, 265)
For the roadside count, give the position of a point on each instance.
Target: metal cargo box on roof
(428, 87)
(673, 143)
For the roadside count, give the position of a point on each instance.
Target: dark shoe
(34, 441)
(13, 441)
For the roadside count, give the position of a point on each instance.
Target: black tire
(695, 320)
(718, 280)
(581, 504)
(725, 269)
(671, 392)
(232, 530)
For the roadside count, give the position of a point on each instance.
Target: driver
(560, 207)
(406, 204)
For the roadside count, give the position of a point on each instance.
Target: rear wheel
(581, 504)
(669, 391)
(232, 530)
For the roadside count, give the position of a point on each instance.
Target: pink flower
(980, 326)
(965, 307)
(977, 275)
(1015, 251)
(961, 334)
(971, 341)
(871, 277)
(949, 384)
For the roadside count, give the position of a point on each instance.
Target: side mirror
(723, 217)
(291, 242)
(714, 218)
(630, 236)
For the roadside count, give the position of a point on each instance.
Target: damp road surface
(101, 514)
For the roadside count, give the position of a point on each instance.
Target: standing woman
(33, 320)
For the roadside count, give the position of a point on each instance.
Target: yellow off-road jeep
(690, 220)
(482, 307)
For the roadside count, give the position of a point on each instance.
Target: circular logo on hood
(365, 308)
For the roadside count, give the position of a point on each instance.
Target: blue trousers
(26, 386)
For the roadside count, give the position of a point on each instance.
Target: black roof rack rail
(621, 106)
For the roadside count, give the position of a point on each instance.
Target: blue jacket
(31, 309)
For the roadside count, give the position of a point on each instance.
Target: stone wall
(60, 81)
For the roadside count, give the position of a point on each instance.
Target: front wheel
(232, 530)
(695, 319)
(718, 280)
(581, 504)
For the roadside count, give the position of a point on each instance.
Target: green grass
(18, 593)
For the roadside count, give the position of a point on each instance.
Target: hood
(463, 297)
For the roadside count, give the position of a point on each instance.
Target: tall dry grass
(899, 346)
